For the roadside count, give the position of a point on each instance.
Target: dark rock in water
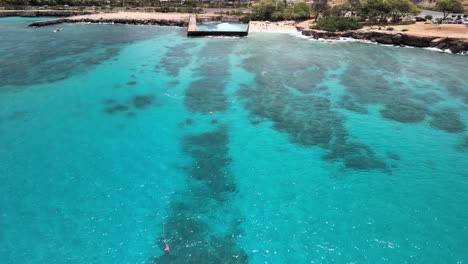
(213, 121)
(396, 39)
(416, 41)
(447, 120)
(442, 46)
(116, 108)
(404, 112)
(132, 83)
(456, 48)
(384, 39)
(143, 101)
(109, 101)
(131, 114)
(188, 121)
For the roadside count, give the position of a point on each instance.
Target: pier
(194, 31)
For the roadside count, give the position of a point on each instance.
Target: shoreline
(445, 38)
(43, 13)
(444, 44)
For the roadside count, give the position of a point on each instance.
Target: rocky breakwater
(39, 13)
(128, 21)
(400, 39)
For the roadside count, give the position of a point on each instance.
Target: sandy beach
(265, 26)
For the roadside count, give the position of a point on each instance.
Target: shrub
(338, 24)
(404, 30)
(390, 29)
(428, 17)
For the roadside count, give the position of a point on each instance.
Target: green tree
(400, 8)
(338, 10)
(319, 7)
(265, 9)
(376, 10)
(338, 24)
(354, 5)
(449, 6)
(300, 10)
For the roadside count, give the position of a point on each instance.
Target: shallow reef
(195, 212)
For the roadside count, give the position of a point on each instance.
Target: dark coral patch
(308, 119)
(447, 120)
(116, 108)
(404, 111)
(206, 95)
(429, 97)
(457, 89)
(131, 114)
(304, 80)
(177, 58)
(463, 144)
(20, 114)
(393, 155)
(131, 83)
(143, 101)
(190, 224)
(356, 156)
(348, 103)
(109, 101)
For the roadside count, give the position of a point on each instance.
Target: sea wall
(399, 39)
(39, 13)
(128, 21)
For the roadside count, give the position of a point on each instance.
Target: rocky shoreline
(127, 21)
(454, 45)
(39, 13)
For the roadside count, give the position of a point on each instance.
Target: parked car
(418, 18)
(437, 20)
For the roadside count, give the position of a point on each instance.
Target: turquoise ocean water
(222, 27)
(264, 149)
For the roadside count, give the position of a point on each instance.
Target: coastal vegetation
(337, 24)
(374, 11)
(273, 10)
(449, 6)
